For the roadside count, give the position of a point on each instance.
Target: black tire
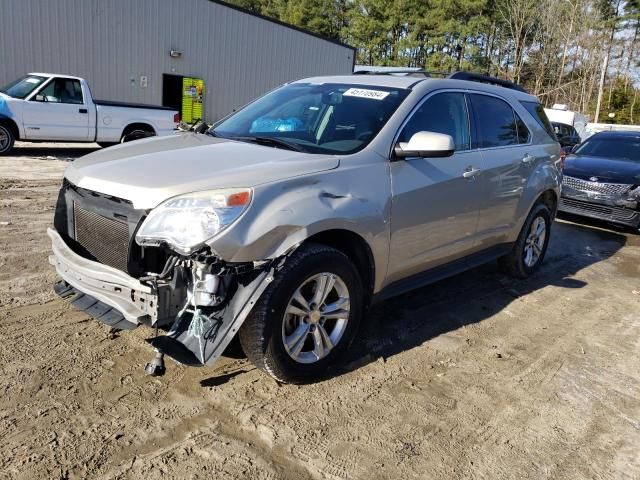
(514, 262)
(7, 139)
(136, 134)
(261, 335)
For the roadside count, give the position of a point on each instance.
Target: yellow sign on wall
(192, 99)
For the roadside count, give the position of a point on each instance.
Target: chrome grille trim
(598, 211)
(104, 238)
(597, 187)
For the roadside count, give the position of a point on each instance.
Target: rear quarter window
(495, 122)
(537, 111)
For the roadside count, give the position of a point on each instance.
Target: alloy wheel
(316, 318)
(534, 242)
(5, 139)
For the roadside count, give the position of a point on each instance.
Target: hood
(148, 172)
(606, 170)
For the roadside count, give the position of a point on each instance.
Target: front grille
(107, 240)
(599, 211)
(596, 187)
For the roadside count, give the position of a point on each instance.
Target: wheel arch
(550, 199)
(9, 123)
(147, 127)
(356, 248)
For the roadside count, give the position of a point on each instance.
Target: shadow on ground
(409, 320)
(52, 152)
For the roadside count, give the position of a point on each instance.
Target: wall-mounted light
(175, 53)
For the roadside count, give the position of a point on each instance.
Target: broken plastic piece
(156, 368)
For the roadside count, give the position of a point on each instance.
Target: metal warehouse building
(202, 57)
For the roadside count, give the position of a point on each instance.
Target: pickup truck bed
(111, 103)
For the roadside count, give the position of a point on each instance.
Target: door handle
(528, 159)
(470, 172)
(83, 110)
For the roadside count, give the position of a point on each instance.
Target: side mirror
(40, 98)
(426, 145)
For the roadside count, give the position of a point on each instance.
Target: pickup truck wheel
(528, 252)
(7, 139)
(307, 317)
(136, 134)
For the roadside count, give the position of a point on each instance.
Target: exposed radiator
(104, 238)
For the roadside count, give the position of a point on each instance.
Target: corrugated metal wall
(112, 43)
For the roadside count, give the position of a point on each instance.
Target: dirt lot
(477, 376)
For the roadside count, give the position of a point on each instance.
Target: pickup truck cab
(50, 107)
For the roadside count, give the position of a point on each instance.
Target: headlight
(187, 221)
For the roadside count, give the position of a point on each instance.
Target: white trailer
(560, 113)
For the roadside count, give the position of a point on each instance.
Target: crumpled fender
(195, 339)
(352, 198)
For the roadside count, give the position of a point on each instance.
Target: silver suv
(287, 219)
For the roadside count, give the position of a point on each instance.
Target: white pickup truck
(50, 107)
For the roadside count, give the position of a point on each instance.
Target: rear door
(434, 210)
(57, 111)
(507, 160)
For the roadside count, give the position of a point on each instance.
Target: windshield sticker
(364, 93)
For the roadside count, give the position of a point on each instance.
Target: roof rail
(468, 76)
(409, 72)
(478, 77)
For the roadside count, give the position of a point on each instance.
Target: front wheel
(307, 317)
(7, 139)
(528, 252)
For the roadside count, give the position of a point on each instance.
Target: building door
(172, 92)
(192, 99)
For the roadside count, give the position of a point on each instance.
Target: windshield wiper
(271, 141)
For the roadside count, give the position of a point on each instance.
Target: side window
(495, 122)
(61, 90)
(442, 113)
(537, 111)
(523, 132)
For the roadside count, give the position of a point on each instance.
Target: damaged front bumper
(198, 335)
(615, 208)
(134, 301)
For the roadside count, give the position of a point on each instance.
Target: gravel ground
(478, 376)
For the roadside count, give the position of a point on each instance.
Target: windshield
(317, 118)
(618, 148)
(23, 86)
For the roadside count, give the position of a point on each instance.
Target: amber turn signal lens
(239, 199)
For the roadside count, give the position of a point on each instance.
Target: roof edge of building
(283, 24)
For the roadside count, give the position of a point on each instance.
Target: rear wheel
(7, 139)
(136, 134)
(307, 317)
(529, 250)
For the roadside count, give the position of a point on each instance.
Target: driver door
(434, 211)
(57, 112)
